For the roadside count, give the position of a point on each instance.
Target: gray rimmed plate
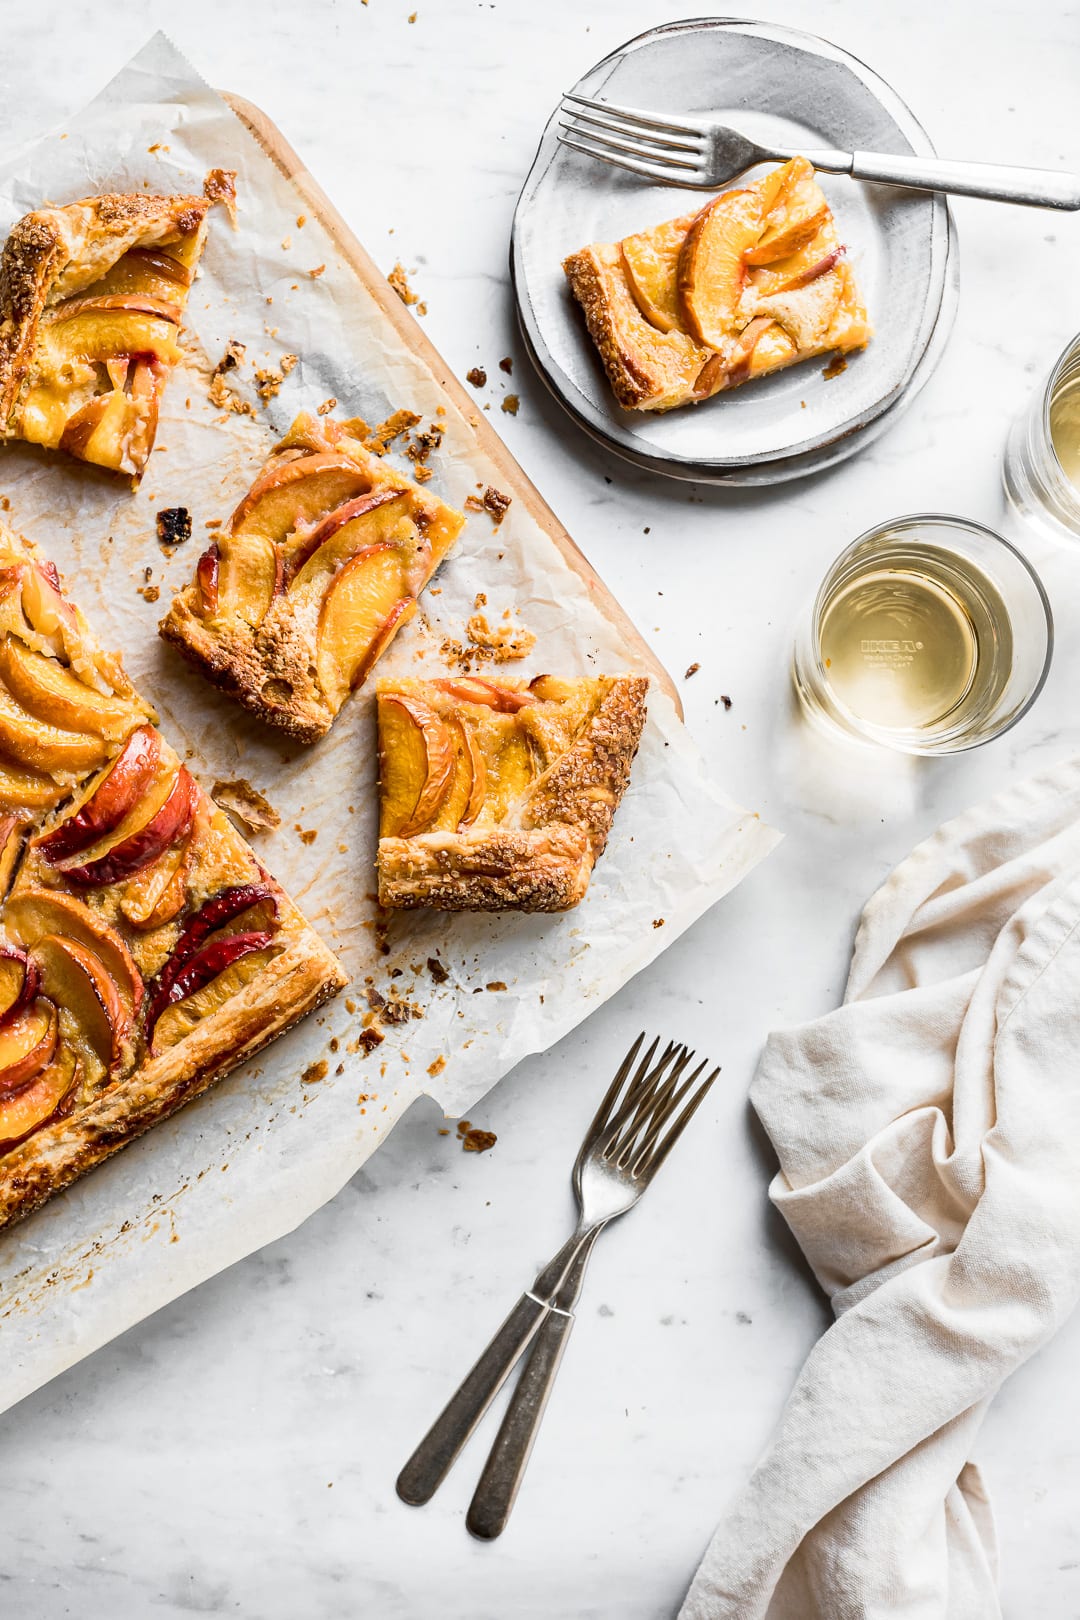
(802, 92)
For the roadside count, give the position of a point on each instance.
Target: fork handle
(431, 1461)
(1035, 188)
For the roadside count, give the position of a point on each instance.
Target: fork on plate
(705, 153)
(643, 1113)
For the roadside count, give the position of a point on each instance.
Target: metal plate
(799, 91)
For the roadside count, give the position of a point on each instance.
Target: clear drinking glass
(1042, 455)
(930, 634)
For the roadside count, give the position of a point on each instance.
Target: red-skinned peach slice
(101, 437)
(147, 272)
(112, 798)
(440, 759)
(158, 893)
(33, 913)
(248, 960)
(50, 692)
(291, 494)
(651, 261)
(334, 522)
(399, 615)
(249, 576)
(19, 979)
(798, 270)
(477, 689)
(137, 302)
(162, 264)
(75, 978)
(214, 914)
(27, 1044)
(712, 265)
(46, 1097)
(139, 848)
(201, 968)
(207, 574)
(358, 602)
(81, 426)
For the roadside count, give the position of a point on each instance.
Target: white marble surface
(236, 1453)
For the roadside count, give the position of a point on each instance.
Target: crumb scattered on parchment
(474, 1140)
(221, 394)
(506, 364)
(246, 803)
(692, 669)
(327, 406)
(506, 642)
(308, 835)
(173, 525)
(317, 272)
(493, 501)
(400, 283)
(436, 969)
(149, 593)
(268, 382)
(437, 1067)
(510, 404)
(726, 701)
(219, 186)
(314, 1072)
(496, 984)
(477, 376)
(384, 435)
(835, 366)
(368, 1040)
(658, 922)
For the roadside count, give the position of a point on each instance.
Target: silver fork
(644, 1111)
(703, 153)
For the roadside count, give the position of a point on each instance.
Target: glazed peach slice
(49, 1094)
(418, 759)
(651, 261)
(465, 798)
(99, 426)
(477, 689)
(19, 980)
(28, 1040)
(712, 265)
(76, 979)
(50, 692)
(797, 270)
(43, 747)
(13, 832)
(167, 816)
(33, 913)
(23, 790)
(44, 606)
(112, 796)
(363, 608)
(249, 576)
(98, 330)
(292, 494)
(207, 981)
(793, 218)
(146, 271)
(207, 575)
(343, 532)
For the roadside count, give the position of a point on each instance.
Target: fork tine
(614, 127)
(650, 170)
(652, 1110)
(649, 120)
(600, 1117)
(661, 1152)
(664, 1110)
(608, 144)
(637, 1099)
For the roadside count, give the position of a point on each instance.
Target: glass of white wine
(930, 634)
(1042, 457)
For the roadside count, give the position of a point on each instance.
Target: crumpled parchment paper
(278, 1138)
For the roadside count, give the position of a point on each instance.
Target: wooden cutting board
(638, 652)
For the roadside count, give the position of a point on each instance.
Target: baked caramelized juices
(91, 299)
(758, 280)
(144, 950)
(314, 574)
(499, 795)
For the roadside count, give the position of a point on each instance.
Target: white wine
(1065, 427)
(914, 641)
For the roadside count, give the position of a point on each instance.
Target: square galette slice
(91, 300)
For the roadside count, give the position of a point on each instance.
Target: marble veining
(235, 1455)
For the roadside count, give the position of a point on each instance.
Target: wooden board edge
(277, 148)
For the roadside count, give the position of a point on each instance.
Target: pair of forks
(704, 153)
(645, 1110)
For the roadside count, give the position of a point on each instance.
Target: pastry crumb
(367, 1041)
(396, 424)
(835, 366)
(726, 701)
(314, 1072)
(477, 376)
(474, 1140)
(149, 593)
(400, 283)
(437, 1067)
(173, 525)
(510, 404)
(327, 406)
(436, 969)
(496, 984)
(317, 272)
(506, 642)
(692, 669)
(219, 186)
(658, 922)
(246, 803)
(507, 364)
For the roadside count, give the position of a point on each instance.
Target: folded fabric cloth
(928, 1133)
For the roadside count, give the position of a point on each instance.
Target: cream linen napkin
(928, 1133)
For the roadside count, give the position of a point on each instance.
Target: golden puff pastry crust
(499, 796)
(144, 949)
(757, 281)
(91, 299)
(316, 571)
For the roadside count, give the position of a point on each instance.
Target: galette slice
(499, 795)
(91, 300)
(314, 574)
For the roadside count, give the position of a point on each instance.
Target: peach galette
(756, 281)
(499, 795)
(91, 299)
(143, 948)
(311, 578)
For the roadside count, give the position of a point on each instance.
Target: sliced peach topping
(364, 600)
(293, 494)
(651, 261)
(712, 265)
(28, 1039)
(33, 913)
(50, 692)
(248, 576)
(75, 978)
(47, 1096)
(417, 761)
